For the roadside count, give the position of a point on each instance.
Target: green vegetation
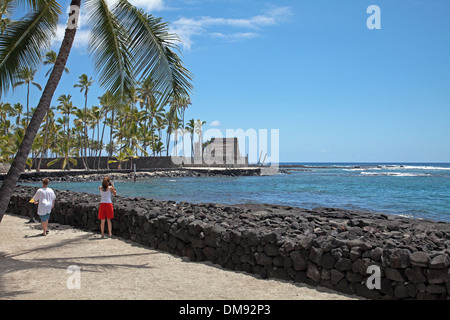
(128, 47)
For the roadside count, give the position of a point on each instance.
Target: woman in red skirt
(106, 210)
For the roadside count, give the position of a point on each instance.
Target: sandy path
(35, 267)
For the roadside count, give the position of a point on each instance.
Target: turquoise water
(414, 190)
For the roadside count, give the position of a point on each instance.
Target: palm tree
(48, 119)
(17, 107)
(107, 102)
(26, 76)
(160, 125)
(6, 7)
(120, 35)
(67, 155)
(121, 157)
(96, 116)
(183, 104)
(50, 59)
(147, 95)
(199, 131)
(123, 125)
(5, 110)
(79, 121)
(67, 108)
(84, 83)
(110, 147)
(159, 147)
(156, 114)
(190, 128)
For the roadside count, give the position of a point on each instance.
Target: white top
(105, 196)
(45, 197)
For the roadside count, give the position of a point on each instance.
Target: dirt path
(36, 267)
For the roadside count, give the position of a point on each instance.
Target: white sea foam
(361, 169)
(406, 167)
(425, 168)
(395, 174)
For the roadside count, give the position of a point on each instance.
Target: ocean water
(420, 190)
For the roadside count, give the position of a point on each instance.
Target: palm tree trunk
(101, 141)
(91, 150)
(192, 147)
(153, 138)
(18, 163)
(184, 132)
(169, 132)
(86, 137)
(28, 102)
(175, 142)
(110, 139)
(68, 136)
(44, 146)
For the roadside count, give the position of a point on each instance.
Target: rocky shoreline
(326, 247)
(125, 175)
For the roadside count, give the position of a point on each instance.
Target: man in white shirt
(45, 198)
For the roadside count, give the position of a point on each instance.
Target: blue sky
(336, 90)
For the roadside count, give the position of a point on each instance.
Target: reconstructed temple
(224, 152)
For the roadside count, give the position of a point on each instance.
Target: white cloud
(83, 32)
(188, 28)
(234, 36)
(81, 37)
(149, 5)
(215, 123)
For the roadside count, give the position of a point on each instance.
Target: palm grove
(146, 84)
(136, 126)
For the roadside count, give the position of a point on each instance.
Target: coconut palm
(126, 44)
(177, 129)
(6, 7)
(190, 128)
(160, 125)
(184, 103)
(66, 107)
(5, 111)
(6, 149)
(48, 120)
(156, 115)
(17, 112)
(79, 121)
(177, 107)
(199, 131)
(96, 116)
(84, 84)
(50, 59)
(121, 157)
(158, 147)
(107, 103)
(26, 76)
(6, 128)
(147, 95)
(67, 155)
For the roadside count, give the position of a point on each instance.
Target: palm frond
(37, 85)
(109, 49)
(152, 48)
(23, 41)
